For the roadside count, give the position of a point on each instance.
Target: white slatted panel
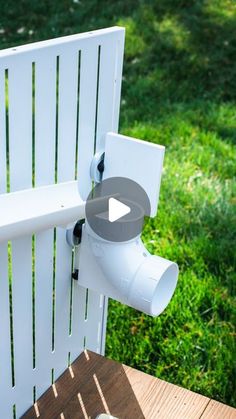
(20, 124)
(3, 168)
(5, 342)
(78, 320)
(45, 139)
(43, 310)
(87, 121)
(67, 121)
(22, 322)
(87, 115)
(20, 151)
(45, 118)
(90, 330)
(107, 83)
(118, 80)
(5, 338)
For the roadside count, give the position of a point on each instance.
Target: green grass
(179, 89)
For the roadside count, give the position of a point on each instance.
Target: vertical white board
(45, 141)
(5, 336)
(3, 161)
(20, 158)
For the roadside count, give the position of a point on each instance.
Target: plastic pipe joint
(146, 282)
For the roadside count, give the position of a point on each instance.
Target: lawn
(179, 90)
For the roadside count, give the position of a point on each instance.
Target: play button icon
(117, 210)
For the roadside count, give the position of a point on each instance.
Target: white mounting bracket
(137, 160)
(126, 271)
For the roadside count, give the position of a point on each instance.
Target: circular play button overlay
(115, 209)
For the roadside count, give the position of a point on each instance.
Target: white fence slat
(22, 322)
(43, 309)
(104, 324)
(86, 137)
(87, 114)
(20, 125)
(3, 167)
(45, 119)
(106, 93)
(67, 121)
(45, 139)
(62, 302)
(5, 338)
(67, 113)
(118, 78)
(94, 321)
(20, 140)
(78, 320)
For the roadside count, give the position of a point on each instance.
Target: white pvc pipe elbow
(147, 282)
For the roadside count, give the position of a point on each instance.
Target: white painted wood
(20, 125)
(94, 329)
(67, 121)
(86, 133)
(43, 310)
(87, 114)
(109, 88)
(78, 318)
(67, 113)
(58, 44)
(118, 80)
(90, 331)
(45, 118)
(62, 302)
(20, 149)
(5, 338)
(22, 322)
(45, 140)
(146, 165)
(106, 91)
(3, 168)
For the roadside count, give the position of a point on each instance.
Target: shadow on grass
(226, 133)
(187, 54)
(175, 51)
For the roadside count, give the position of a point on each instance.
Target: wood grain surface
(94, 384)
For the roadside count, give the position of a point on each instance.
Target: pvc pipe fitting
(146, 282)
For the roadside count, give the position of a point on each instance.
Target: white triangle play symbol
(116, 209)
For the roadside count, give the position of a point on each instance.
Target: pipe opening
(164, 290)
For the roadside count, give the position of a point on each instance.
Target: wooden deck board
(164, 400)
(218, 410)
(94, 384)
